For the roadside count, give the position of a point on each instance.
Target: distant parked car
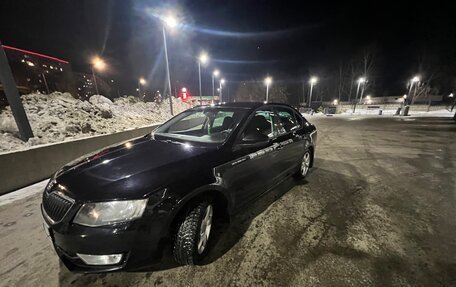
(117, 208)
(308, 111)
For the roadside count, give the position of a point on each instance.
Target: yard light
(222, 82)
(214, 75)
(141, 82)
(404, 96)
(413, 82)
(361, 81)
(335, 102)
(99, 65)
(170, 21)
(312, 81)
(454, 101)
(202, 59)
(267, 82)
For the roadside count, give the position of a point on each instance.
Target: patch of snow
(59, 116)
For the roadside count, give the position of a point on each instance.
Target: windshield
(206, 125)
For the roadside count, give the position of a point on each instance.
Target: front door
(253, 170)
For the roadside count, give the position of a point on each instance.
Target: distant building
(35, 72)
(85, 86)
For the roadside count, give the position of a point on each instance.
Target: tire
(304, 166)
(193, 234)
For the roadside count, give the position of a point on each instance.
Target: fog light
(100, 259)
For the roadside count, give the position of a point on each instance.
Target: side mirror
(254, 139)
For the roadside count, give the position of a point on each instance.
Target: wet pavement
(378, 209)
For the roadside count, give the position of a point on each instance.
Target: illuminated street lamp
(454, 101)
(335, 102)
(214, 75)
(312, 82)
(413, 82)
(171, 22)
(222, 82)
(141, 82)
(202, 59)
(267, 82)
(99, 65)
(360, 81)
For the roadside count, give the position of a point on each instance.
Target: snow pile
(434, 113)
(59, 116)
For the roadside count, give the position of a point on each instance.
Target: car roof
(248, 105)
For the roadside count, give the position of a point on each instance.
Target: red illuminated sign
(184, 95)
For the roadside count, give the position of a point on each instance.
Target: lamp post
(454, 101)
(267, 82)
(141, 82)
(214, 75)
(361, 80)
(100, 65)
(171, 22)
(222, 82)
(413, 82)
(202, 59)
(312, 81)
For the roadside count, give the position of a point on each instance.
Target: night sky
(246, 40)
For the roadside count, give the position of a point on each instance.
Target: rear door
(291, 139)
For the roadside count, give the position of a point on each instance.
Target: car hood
(132, 169)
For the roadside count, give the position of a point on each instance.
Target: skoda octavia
(119, 207)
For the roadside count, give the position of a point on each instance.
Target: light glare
(98, 63)
(203, 58)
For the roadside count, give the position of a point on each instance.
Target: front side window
(262, 122)
(207, 125)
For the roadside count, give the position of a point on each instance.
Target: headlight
(110, 212)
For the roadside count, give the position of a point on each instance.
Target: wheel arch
(220, 199)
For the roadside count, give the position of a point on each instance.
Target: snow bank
(58, 116)
(412, 113)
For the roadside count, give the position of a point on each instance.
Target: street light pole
(95, 81)
(222, 81)
(361, 80)
(312, 82)
(214, 74)
(139, 90)
(99, 64)
(267, 81)
(167, 72)
(203, 58)
(199, 74)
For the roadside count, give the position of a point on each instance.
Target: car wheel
(193, 233)
(305, 165)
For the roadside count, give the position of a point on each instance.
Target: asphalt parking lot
(378, 209)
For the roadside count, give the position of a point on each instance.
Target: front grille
(56, 205)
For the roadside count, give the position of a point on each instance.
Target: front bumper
(140, 243)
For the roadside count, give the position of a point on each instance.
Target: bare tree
(255, 91)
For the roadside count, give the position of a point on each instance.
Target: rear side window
(221, 118)
(287, 120)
